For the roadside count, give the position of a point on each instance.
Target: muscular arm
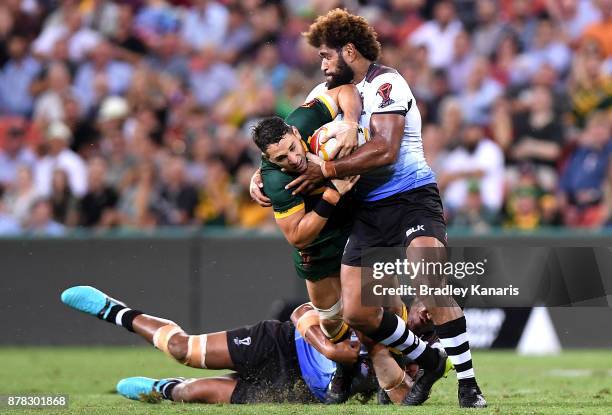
(314, 335)
(349, 101)
(301, 228)
(387, 131)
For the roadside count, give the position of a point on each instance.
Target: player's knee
(177, 347)
(191, 392)
(360, 320)
(331, 321)
(426, 242)
(185, 392)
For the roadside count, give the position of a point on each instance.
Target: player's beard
(343, 75)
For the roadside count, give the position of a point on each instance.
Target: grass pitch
(576, 382)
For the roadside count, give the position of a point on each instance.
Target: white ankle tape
(162, 337)
(332, 313)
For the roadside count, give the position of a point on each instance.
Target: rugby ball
(323, 150)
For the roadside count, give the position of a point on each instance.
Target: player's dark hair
(269, 131)
(339, 28)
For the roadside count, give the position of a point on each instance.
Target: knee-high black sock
(394, 332)
(121, 316)
(453, 336)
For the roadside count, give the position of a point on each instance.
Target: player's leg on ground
(207, 350)
(449, 323)
(382, 326)
(209, 390)
(200, 351)
(325, 296)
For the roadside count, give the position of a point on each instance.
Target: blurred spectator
(583, 178)
(238, 34)
(63, 203)
(538, 137)
(178, 198)
(216, 203)
(49, 105)
(476, 159)
(590, 85)
(14, 152)
(473, 214)
(435, 147)
(573, 16)
(205, 24)
(209, 80)
(154, 19)
(16, 76)
(601, 31)
(521, 22)
(249, 213)
(201, 154)
(129, 46)
(438, 35)
(20, 198)
(523, 211)
(98, 206)
(451, 120)
(8, 225)
(102, 76)
(168, 57)
(488, 31)
(480, 93)
(546, 47)
(71, 28)
(462, 62)
(40, 221)
(141, 195)
(58, 136)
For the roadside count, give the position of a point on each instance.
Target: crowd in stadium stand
(137, 113)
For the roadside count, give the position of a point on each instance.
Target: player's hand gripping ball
(327, 150)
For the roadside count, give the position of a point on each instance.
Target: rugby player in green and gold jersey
(316, 225)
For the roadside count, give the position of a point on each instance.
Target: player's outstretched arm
(306, 320)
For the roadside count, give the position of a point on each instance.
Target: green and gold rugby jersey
(322, 257)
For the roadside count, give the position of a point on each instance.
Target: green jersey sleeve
(312, 115)
(283, 202)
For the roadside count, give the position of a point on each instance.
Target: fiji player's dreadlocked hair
(338, 28)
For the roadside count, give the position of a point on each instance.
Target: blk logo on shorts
(245, 342)
(415, 229)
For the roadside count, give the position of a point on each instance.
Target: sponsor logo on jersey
(415, 229)
(309, 103)
(245, 342)
(385, 93)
